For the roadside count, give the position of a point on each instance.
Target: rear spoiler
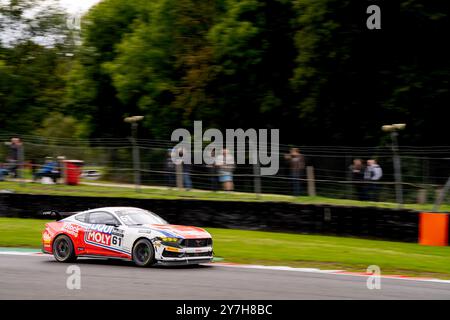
(57, 215)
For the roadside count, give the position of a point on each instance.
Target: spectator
(373, 174)
(357, 173)
(49, 169)
(187, 182)
(225, 167)
(170, 169)
(15, 155)
(297, 168)
(3, 172)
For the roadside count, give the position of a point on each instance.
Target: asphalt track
(40, 277)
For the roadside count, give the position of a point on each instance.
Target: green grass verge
(269, 248)
(164, 193)
(16, 232)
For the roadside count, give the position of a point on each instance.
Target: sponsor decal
(102, 228)
(99, 237)
(46, 238)
(71, 229)
(104, 236)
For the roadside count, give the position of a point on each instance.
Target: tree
(254, 54)
(222, 62)
(56, 125)
(350, 80)
(31, 85)
(90, 92)
(164, 66)
(32, 63)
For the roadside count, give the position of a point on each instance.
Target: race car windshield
(140, 217)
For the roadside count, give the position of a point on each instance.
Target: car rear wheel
(143, 253)
(63, 249)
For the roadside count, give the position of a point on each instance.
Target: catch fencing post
(179, 172)
(136, 158)
(441, 195)
(311, 181)
(257, 178)
(422, 196)
(393, 129)
(21, 164)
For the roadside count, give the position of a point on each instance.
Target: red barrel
(73, 171)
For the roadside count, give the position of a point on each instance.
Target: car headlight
(168, 239)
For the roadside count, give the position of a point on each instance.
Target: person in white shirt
(373, 174)
(225, 166)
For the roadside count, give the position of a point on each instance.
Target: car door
(104, 236)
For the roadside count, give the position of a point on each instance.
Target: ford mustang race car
(125, 233)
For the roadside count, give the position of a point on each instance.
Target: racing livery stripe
(167, 234)
(106, 247)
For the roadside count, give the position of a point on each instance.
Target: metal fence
(425, 170)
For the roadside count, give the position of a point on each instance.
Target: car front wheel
(143, 253)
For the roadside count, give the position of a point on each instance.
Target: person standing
(3, 172)
(357, 173)
(15, 156)
(226, 166)
(297, 168)
(48, 170)
(373, 174)
(187, 182)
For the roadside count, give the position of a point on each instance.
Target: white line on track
(315, 270)
(21, 253)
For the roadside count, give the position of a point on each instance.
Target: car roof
(113, 209)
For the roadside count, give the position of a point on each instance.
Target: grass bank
(151, 192)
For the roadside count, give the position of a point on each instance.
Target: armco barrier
(367, 222)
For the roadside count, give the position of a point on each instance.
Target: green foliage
(349, 81)
(310, 67)
(164, 65)
(30, 85)
(57, 125)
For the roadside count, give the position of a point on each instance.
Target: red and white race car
(125, 233)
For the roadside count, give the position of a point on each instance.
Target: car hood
(177, 231)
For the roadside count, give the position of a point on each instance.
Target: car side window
(82, 217)
(101, 217)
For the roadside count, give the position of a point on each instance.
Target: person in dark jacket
(297, 167)
(14, 157)
(357, 171)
